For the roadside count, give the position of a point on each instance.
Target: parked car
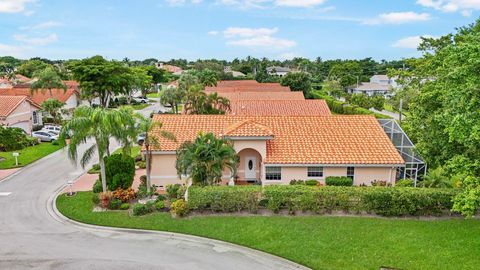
(44, 136)
(140, 100)
(56, 129)
(141, 138)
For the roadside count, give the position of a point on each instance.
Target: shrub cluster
(294, 198)
(224, 198)
(119, 170)
(179, 208)
(143, 209)
(14, 139)
(342, 181)
(124, 195)
(305, 182)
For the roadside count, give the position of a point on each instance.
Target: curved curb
(249, 252)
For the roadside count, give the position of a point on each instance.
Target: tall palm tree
(47, 79)
(146, 125)
(205, 159)
(127, 135)
(198, 102)
(93, 123)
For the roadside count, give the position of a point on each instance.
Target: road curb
(249, 252)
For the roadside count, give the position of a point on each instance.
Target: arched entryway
(249, 168)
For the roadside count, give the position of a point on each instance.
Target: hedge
(343, 181)
(224, 198)
(382, 201)
(340, 107)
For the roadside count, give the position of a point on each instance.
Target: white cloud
(255, 38)
(465, 7)
(299, 3)
(14, 6)
(15, 51)
(44, 25)
(182, 2)
(398, 18)
(36, 41)
(248, 32)
(265, 42)
(213, 33)
(409, 42)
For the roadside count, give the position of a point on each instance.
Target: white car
(141, 100)
(44, 136)
(56, 129)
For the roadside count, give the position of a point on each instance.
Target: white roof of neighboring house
(367, 86)
(278, 69)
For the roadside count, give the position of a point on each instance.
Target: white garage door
(23, 125)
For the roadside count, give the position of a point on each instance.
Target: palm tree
(47, 79)
(205, 159)
(146, 125)
(93, 123)
(53, 106)
(198, 102)
(437, 178)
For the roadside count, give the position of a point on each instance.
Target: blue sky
(225, 29)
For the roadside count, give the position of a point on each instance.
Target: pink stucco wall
(21, 117)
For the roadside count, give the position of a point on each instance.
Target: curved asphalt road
(33, 237)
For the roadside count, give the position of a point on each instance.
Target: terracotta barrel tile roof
(40, 95)
(263, 95)
(9, 103)
(248, 128)
(247, 86)
(315, 107)
(352, 139)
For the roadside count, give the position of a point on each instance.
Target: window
(351, 172)
(315, 172)
(273, 173)
(35, 118)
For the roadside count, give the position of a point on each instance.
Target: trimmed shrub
(114, 204)
(311, 182)
(224, 198)
(379, 183)
(119, 170)
(142, 188)
(160, 198)
(179, 208)
(124, 206)
(121, 181)
(142, 209)
(14, 138)
(97, 186)
(404, 183)
(141, 164)
(339, 181)
(172, 190)
(159, 205)
(95, 199)
(297, 182)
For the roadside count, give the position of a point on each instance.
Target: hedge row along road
(31, 237)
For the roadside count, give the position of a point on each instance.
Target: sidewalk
(86, 181)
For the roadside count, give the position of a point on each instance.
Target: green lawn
(134, 151)
(318, 242)
(153, 95)
(140, 106)
(27, 155)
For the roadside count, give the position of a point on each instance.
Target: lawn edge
(248, 251)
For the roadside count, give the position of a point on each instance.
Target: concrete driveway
(33, 237)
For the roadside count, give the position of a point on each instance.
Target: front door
(250, 168)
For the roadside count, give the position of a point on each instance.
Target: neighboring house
(246, 86)
(298, 95)
(18, 80)
(371, 89)
(19, 111)
(171, 85)
(278, 149)
(169, 68)
(71, 96)
(384, 79)
(278, 71)
(378, 85)
(235, 74)
(317, 107)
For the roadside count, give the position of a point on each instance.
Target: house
(278, 71)
(19, 79)
(71, 96)
(313, 107)
(384, 79)
(297, 95)
(235, 74)
(278, 149)
(371, 89)
(170, 68)
(19, 111)
(246, 86)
